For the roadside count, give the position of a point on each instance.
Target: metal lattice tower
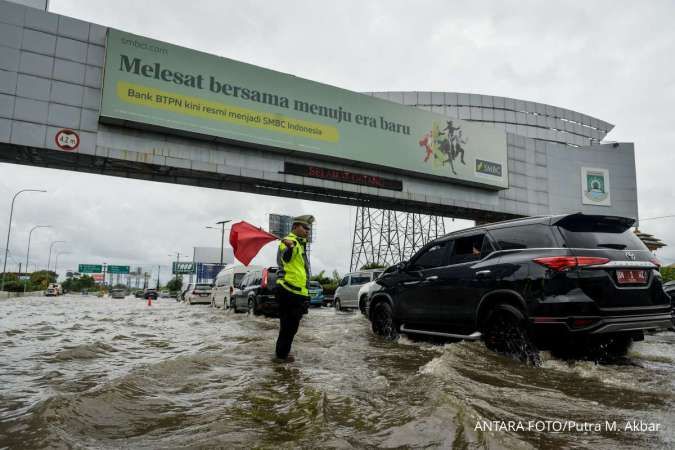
(387, 237)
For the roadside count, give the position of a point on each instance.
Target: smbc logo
(488, 168)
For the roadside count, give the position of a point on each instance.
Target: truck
(54, 290)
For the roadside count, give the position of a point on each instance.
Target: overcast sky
(609, 59)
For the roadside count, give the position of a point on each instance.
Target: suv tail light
(656, 261)
(231, 290)
(263, 284)
(581, 323)
(563, 263)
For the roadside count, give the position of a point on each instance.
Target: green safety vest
(294, 276)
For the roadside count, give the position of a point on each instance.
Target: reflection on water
(89, 372)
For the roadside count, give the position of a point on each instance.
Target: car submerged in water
(118, 293)
(581, 285)
(53, 290)
(316, 297)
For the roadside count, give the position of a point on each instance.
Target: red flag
(247, 240)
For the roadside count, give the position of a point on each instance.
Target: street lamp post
(56, 264)
(49, 261)
(9, 230)
(177, 254)
(25, 284)
(222, 237)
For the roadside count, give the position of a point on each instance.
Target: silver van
(226, 282)
(347, 293)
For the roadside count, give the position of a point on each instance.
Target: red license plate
(631, 276)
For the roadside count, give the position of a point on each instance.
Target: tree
(668, 273)
(372, 265)
(175, 284)
(321, 278)
(79, 284)
(336, 276)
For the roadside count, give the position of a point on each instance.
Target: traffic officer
(292, 283)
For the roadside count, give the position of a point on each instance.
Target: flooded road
(83, 372)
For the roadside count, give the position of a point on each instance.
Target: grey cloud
(609, 59)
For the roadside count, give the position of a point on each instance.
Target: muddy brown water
(84, 372)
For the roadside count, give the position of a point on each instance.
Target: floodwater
(84, 372)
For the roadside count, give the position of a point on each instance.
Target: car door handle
(483, 273)
(431, 278)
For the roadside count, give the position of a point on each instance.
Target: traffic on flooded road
(81, 371)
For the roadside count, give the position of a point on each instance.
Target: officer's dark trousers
(291, 308)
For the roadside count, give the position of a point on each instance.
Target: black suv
(571, 283)
(255, 293)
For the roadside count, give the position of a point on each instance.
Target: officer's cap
(304, 220)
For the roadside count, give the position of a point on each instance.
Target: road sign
(118, 269)
(67, 140)
(90, 268)
(180, 268)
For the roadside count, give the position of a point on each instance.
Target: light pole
(9, 230)
(28, 249)
(56, 264)
(49, 261)
(222, 237)
(177, 254)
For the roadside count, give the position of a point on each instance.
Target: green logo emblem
(595, 186)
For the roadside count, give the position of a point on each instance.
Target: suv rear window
(525, 236)
(618, 241)
(582, 231)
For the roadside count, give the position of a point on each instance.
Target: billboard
(182, 268)
(211, 255)
(155, 83)
(280, 225)
(208, 271)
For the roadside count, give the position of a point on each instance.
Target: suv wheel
(338, 305)
(383, 321)
(505, 332)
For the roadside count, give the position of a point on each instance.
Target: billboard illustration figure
(444, 148)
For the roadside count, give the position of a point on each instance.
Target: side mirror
(403, 265)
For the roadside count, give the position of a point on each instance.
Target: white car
(200, 293)
(226, 282)
(347, 293)
(367, 291)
